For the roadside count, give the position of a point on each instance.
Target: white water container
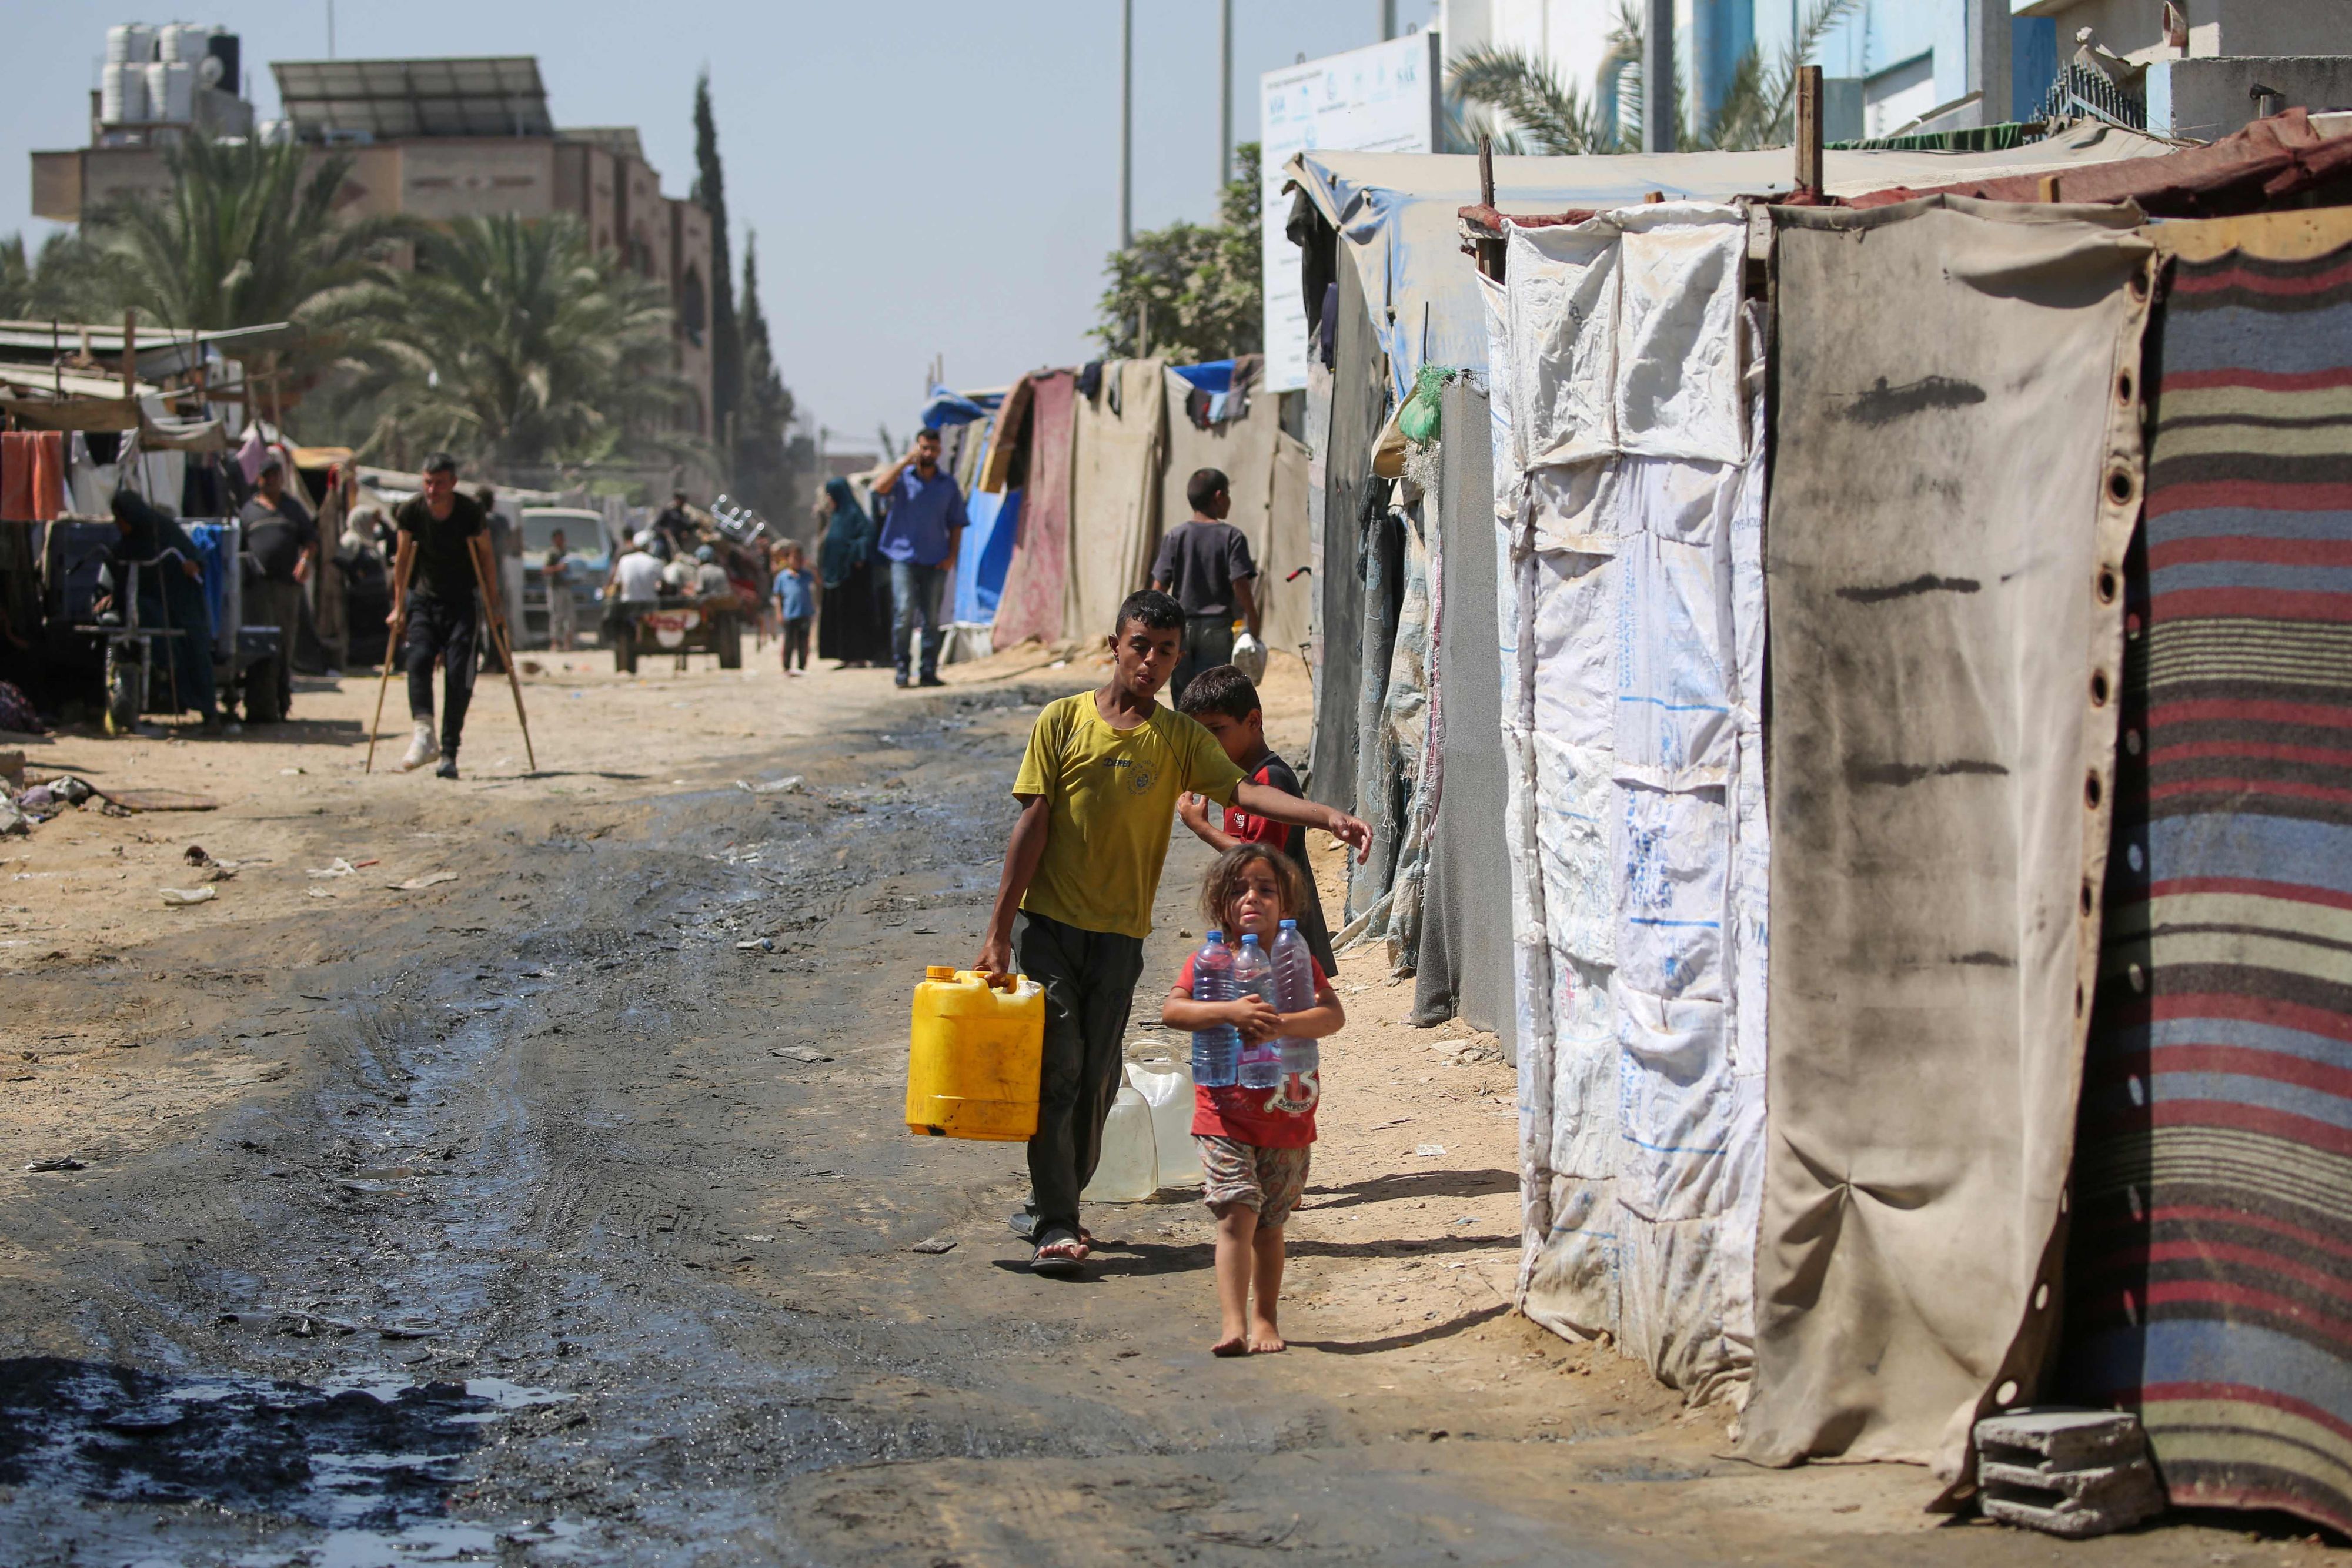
(122, 95)
(171, 93)
(182, 43)
(129, 43)
(1129, 1171)
(1165, 1081)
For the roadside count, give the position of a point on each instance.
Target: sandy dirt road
(561, 1210)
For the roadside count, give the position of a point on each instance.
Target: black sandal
(1057, 1267)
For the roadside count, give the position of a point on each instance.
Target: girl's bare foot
(1265, 1338)
(1232, 1344)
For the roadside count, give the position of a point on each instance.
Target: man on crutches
(443, 560)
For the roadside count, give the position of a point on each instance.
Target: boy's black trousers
(1089, 980)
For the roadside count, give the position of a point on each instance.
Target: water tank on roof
(122, 94)
(171, 93)
(222, 47)
(129, 43)
(180, 42)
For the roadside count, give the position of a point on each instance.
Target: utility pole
(1224, 95)
(1387, 20)
(1658, 76)
(331, 30)
(1126, 123)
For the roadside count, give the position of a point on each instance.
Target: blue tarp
(211, 541)
(946, 408)
(987, 552)
(1216, 376)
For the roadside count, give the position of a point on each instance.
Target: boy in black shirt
(1222, 700)
(444, 546)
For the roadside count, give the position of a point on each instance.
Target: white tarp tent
(1629, 470)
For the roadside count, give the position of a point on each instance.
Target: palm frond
(1553, 115)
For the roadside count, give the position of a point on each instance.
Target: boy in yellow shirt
(1098, 789)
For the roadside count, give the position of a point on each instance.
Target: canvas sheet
(1630, 610)
(1958, 469)
(2207, 1276)
(1267, 471)
(1354, 507)
(1463, 964)
(1036, 578)
(1115, 454)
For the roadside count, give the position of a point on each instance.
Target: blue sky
(926, 177)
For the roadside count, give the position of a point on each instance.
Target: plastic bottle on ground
(1294, 992)
(1254, 976)
(1216, 1052)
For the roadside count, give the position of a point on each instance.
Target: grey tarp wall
(1267, 471)
(1465, 960)
(1358, 407)
(1114, 493)
(1957, 472)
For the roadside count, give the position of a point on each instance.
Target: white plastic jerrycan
(1129, 1171)
(1165, 1081)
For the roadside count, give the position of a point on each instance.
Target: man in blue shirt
(920, 539)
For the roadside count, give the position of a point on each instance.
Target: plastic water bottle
(1216, 1052)
(1254, 977)
(1294, 992)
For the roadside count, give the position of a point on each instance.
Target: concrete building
(440, 139)
(1898, 65)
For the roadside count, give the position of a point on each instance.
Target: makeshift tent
(2208, 1273)
(1397, 214)
(1116, 450)
(1267, 469)
(1463, 965)
(1631, 724)
(1034, 598)
(1956, 474)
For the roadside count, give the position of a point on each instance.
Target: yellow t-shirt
(1111, 795)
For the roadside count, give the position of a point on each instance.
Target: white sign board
(1381, 99)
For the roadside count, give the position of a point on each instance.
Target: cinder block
(2074, 1473)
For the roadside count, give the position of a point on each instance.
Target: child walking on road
(1255, 1144)
(794, 592)
(1097, 786)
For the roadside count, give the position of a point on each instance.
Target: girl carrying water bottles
(1254, 1141)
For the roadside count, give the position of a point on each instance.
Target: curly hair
(1224, 882)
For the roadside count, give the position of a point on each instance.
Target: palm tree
(512, 342)
(245, 238)
(1758, 107)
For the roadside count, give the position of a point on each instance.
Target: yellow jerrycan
(974, 1057)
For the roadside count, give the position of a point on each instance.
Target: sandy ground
(560, 1209)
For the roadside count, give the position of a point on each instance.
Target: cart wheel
(728, 634)
(126, 688)
(261, 699)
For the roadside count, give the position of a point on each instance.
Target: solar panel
(386, 99)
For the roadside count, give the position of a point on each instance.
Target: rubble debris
(55, 1163)
(181, 898)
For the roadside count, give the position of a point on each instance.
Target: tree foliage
(245, 238)
(709, 191)
(762, 457)
(511, 341)
(1194, 289)
(1550, 115)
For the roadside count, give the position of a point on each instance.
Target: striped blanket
(2210, 1268)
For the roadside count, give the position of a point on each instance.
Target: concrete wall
(445, 177)
(2209, 99)
(2130, 28)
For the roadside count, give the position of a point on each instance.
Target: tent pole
(1126, 123)
(1224, 95)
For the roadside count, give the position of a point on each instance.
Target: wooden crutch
(391, 651)
(506, 653)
